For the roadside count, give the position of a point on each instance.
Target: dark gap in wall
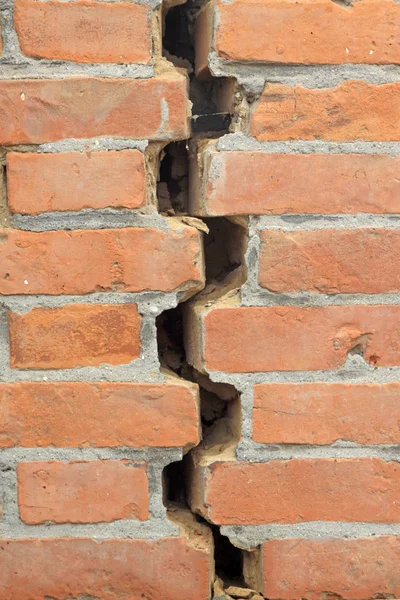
(173, 183)
(224, 248)
(212, 98)
(175, 485)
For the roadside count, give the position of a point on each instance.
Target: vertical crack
(213, 101)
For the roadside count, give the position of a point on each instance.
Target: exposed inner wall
(199, 328)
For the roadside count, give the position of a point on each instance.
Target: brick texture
(82, 492)
(109, 569)
(200, 299)
(39, 183)
(74, 415)
(75, 335)
(241, 183)
(84, 31)
(288, 113)
(80, 262)
(353, 569)
(323, 413)
(331, 261)
(239, 339)
(308, 31)
(38, 111)
(302, 490)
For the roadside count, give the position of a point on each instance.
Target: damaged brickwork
(200, 307)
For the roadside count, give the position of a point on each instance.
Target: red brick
(82, 491)
(81, 414)
(111, 569)
(75, 335)
(354, 110)
(355, 569)
(37, 111)
(286, 338)
(322, 413)
(38, 183)
(308, 31)
(302, 490)
(242, 183)
(331, 261)
(84, 31)
(80, 262)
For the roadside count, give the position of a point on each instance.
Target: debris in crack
(212, 99)
(173, 184)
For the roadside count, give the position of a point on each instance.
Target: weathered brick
(38, 183)
(84, 31)
(242, 183)
(323, 413)
(331, 261)
(81, 414)
(354, 110)
(356, 569)
(301, 490)
(75, 335)
(286, 338)
(80, 262)
(308, 31)
(109, 569)
(38, 111)
(82, 491)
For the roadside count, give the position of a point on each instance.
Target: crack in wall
(236, 571)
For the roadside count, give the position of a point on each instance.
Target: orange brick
(355, 569)
(331, 261)
(354, 110)
(82, 491)
(80, 262)
(38, 183)
(308, 31)
(108, 569)
(80, 414)
(323, 413)
(302, 490)
(286, 338)
(37, 111)
(242, 183)
(84, 31)
(75, 335)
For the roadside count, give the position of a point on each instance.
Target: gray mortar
(253, 77)
(156, 527)
(252, 536)
(241, 142)
(93, 144)
(109, 218)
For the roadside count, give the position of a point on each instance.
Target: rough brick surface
(331, 261)
(75, 335)
(108, 569)
(82, 492)
(299, 490)
(37, 111)
(240, 339)
(285, 113)
(354, 569)
(84, 31)
(236, 183)
(72, 181)
(309, 31)
(79, 262)
(323, 413)
(73, 415)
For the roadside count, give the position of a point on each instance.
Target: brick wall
(199, 314)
